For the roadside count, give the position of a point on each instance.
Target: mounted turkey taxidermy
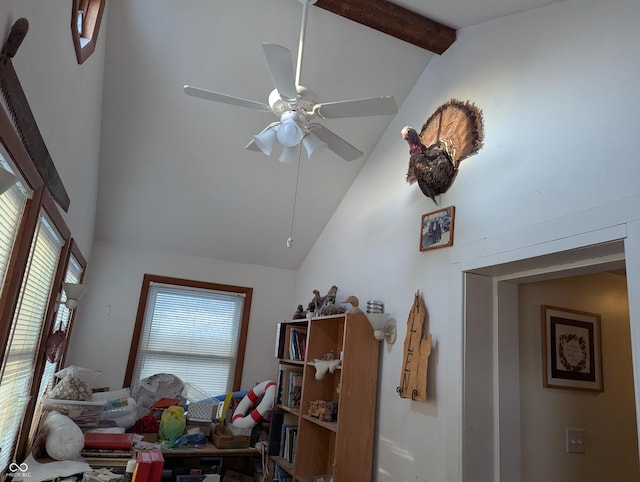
(452, 133)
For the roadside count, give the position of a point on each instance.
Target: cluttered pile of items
(86, 435)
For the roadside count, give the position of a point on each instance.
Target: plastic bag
(63, 438)
(154, 388)
(172, 423)
(119, 407)
(123, 415)
(76, 383)
(188, 440)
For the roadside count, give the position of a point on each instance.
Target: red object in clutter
(164, 403)
(149, 465)
(147, 424)
(157, 464)
(117, 441)
(142, 473)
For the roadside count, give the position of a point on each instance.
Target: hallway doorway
(513, 428)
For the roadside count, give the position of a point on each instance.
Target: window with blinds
(17, 367)
(12, 204)
(193, 333)
(63, 317)
(73, 274)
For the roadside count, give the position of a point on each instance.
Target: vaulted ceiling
(174, 173)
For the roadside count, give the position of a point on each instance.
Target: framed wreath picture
(437, 229)
(571, 349)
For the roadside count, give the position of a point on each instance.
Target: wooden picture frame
(571, 349)
(436, 229)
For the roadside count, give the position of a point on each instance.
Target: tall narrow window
(196, 331)
(60, 326)
(12, 204)
(26, 326)
(59, 334)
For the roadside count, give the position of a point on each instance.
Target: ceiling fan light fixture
(288, 155)
(266, 140)
(289, 132)
(312, 144)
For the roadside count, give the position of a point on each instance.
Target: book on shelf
(281, 369)
(285, 386)
(288, 441)
(283, 337)
(114, 464)
(107, 453)
(290, 445)
(295, 389)
(298, 343)
(277, 419)
(280, 337)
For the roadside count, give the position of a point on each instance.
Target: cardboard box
(224, 439)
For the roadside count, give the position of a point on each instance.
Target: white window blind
(191, 333)
(17, 366)
(63, 316)
(12, 204)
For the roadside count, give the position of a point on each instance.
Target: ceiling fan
(296, 107)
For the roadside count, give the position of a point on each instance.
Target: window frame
(40, 201)
(93, 11)
(70, 249)
(142, 304)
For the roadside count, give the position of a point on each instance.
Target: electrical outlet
(575, 441)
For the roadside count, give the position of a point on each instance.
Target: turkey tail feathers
(458, 123)
(457, 127)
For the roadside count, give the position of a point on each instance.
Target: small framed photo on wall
(437, 229)
(571, 349)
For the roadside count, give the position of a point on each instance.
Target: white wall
(608, 418)
(558, 89)
(104, 323)
(66, 100)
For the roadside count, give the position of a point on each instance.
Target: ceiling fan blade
(281, 67)
(336, 143)
(226, 99)
(357, 108)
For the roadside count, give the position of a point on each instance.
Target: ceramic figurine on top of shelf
(316, 302)
(299, 314)
(329, 306)
(354, 302)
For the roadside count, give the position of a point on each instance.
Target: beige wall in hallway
(608, 418)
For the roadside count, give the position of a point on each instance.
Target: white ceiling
(174, 173)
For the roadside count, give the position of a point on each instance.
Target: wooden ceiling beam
(394, 20)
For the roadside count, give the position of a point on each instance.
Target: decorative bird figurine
(452, 133)
(354, 302)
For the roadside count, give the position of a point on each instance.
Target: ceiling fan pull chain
(295, 197)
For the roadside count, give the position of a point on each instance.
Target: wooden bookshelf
(330, 446)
